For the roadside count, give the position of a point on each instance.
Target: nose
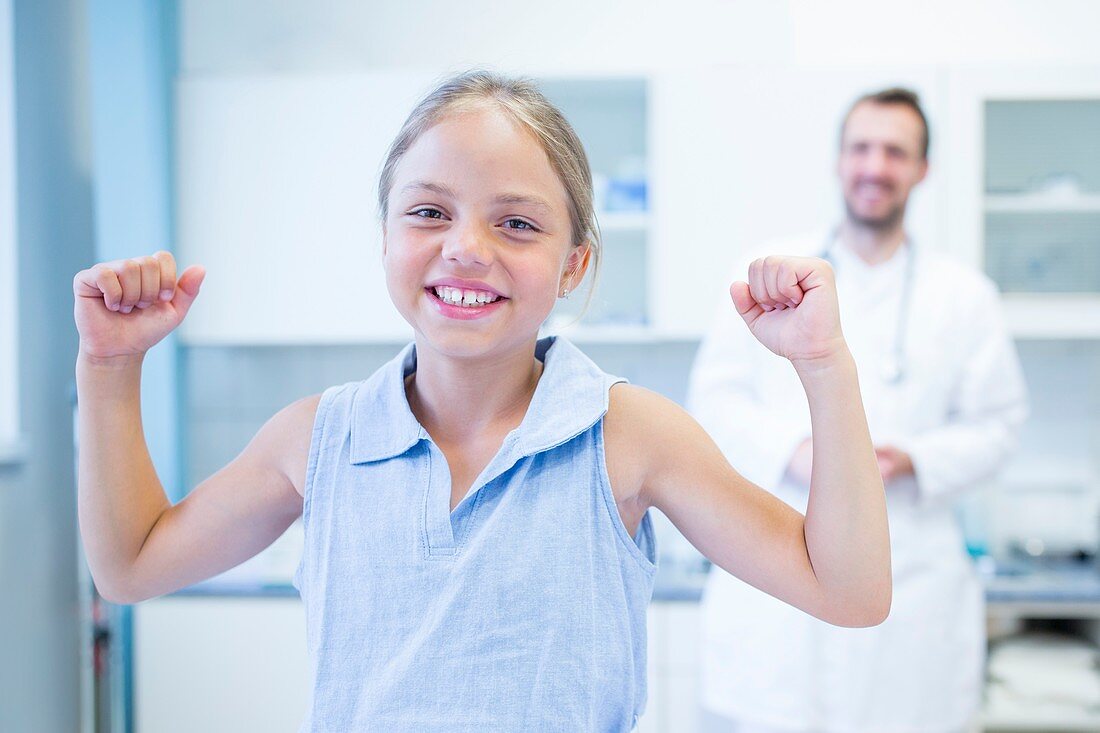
(874, 163)
(468, 245)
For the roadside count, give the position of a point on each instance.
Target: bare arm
(833, 563)
(138, 545)
(233, 514)
(119, 497)
(764, 443)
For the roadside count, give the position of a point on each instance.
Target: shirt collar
(570, 397)
(383, 426)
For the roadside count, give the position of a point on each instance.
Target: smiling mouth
(462, 298)
(873, 189)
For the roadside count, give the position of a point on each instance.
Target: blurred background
(246, 135)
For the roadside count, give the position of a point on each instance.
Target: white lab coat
(956, 412)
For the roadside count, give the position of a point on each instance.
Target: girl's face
(477, 242)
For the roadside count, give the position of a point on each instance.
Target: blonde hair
(525, 104)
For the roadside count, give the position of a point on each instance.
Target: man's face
(880, 162)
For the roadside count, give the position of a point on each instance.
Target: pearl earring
(565, 293)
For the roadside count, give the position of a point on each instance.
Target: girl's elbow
(870, 617)
(872, 612)
(870, 609)
(116, 594)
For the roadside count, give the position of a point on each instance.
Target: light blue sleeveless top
(524, 609)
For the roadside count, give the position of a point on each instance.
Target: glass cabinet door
(609, 116)
(1042, 195)
(1023, 159)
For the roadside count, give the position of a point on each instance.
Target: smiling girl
(478, 548)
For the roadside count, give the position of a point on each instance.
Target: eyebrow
(504, 198)
(517, 198)
(439, 188)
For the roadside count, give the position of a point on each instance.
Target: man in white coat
(945, 398)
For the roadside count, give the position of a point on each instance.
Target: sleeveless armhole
(644, 548)
(324, 405)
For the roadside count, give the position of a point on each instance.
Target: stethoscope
(893, 366)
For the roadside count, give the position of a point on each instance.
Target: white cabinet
(225, 663)
(674, 657)
(276, 184)
(276, 191)
(1025, 193)
(219, 664)
(276, 196)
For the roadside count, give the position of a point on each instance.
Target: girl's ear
(576, 265)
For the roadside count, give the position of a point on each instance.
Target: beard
(890, 220)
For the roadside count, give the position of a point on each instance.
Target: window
(9, 333)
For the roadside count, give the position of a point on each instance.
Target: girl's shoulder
(654, 445)
(633, 409)
(640, 418)
(287, 435)
(637, 429)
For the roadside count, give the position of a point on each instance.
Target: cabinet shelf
(1053, 316)
(996, 724)
(1041, 203)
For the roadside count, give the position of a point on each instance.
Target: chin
(460, 341)
(454, 344)
(879, 218)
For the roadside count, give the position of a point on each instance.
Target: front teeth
(464, 298)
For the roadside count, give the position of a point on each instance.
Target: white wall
(300, 35)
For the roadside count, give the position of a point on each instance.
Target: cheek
(404, 267)
(900, 176)
(911, 177)
(848, 172)
(536, 278)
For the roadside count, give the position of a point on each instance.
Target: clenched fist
(123, 308)
(790, 306)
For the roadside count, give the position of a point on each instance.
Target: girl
(478, 551)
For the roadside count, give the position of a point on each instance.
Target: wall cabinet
(276, 195)
(1025, 193)
(694, 168)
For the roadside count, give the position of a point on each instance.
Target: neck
(873, 245)
(455, 399)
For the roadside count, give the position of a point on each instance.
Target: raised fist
(125, 307)
(790, 306)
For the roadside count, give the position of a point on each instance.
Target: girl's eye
(427, 213)
(519, 225)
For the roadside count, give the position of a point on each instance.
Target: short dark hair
(894, 96)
